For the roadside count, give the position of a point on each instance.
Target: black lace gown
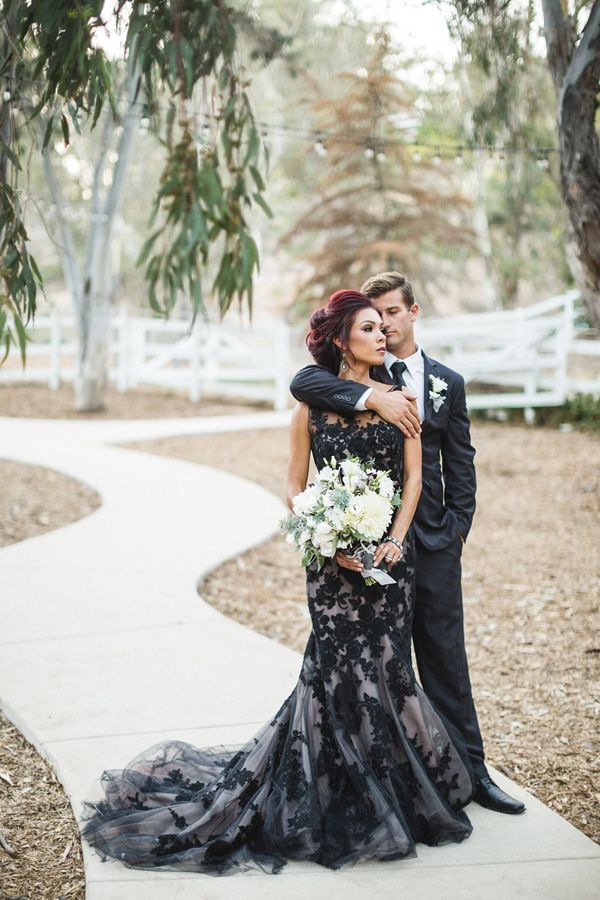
(355, 765)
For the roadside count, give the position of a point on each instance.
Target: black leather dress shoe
(488, 794)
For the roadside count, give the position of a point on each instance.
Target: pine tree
(377, 204)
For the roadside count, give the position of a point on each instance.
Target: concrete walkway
(106, 648)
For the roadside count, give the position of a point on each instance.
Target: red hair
(334, 320)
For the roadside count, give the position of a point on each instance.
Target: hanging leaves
(206, 192)
(205, 195)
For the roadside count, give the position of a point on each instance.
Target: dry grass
(531, 569)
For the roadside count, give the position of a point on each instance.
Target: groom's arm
(457, 461)
(319, 387)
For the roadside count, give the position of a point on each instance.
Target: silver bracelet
(395, 542)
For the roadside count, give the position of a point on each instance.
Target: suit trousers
(439, 642)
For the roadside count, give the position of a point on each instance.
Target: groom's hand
(396, 407)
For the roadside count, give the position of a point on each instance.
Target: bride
(356, 764)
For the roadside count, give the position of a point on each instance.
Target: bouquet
(348, 507)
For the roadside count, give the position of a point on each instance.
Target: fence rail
(209, 358)
(518, 358)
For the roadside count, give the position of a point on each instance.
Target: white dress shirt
(414, 378)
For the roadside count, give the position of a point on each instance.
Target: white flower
(369, 514)
(324, 539)
(307, 501)
(435, 394)
(350, 467)
(335, 516)
(437, 384)
(386, 486)
(354, 476)
(327, 475)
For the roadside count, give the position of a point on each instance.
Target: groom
(445, 511)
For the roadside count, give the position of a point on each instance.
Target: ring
(389, 558)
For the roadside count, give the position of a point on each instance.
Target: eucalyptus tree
(572, 39)
(54, 70)
(573, 54)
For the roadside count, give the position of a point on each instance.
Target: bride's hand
(389, 552)
(348, 562)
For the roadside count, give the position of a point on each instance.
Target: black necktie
(397, 369)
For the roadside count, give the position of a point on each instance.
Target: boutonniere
(437, 392)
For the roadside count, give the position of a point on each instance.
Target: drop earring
(343, 364)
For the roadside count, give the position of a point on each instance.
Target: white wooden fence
(251, 362)
(518, 358)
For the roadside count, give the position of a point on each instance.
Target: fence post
(123, 350)
(282, 366)
(564, 336)
(54, 348)
(195, 364)
(137, 352)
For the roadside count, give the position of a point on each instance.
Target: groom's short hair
(384, 282)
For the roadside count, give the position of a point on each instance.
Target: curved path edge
(106, 648)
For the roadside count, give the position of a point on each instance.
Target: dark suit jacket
(447, 502)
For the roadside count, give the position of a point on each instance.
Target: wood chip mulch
(34, 500)
(40, 852)
(40, 856)
(37, 401)
(531, 571)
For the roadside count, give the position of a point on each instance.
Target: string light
(356, 138)
(324, 139)
(320, 148)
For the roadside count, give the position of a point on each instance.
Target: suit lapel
(429, 369)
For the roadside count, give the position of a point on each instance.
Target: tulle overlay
(355, 765)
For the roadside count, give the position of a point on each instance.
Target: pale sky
(414, 24)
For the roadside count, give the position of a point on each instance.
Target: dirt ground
(530, 575)
(38, 823)
(34, 500)
(36, 818)
(34, 401)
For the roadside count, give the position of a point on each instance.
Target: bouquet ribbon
(372, 574)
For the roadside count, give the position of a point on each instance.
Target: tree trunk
(7, 82)
(98, 282)
(576, 71)
(92, 376)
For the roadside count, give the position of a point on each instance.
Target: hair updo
(334, 320)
